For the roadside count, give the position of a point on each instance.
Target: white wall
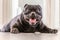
(7, 11)
(1, 13)
(14, 8)
(1, 10)
(56, 19)
(23, 2)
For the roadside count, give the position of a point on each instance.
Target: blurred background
(50, 8)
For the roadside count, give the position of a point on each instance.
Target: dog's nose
(32, 15)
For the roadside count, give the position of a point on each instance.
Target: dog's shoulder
(15, 20)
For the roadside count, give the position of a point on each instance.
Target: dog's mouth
(32, 21)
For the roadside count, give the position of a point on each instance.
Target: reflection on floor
(29, 36)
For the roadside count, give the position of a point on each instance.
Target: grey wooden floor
(29, 36)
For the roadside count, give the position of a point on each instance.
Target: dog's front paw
(14, 30)
(54, 31)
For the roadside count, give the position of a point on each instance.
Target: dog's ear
(39, 7)
(25, 5)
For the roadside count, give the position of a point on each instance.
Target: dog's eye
(26, 13)
(39, 12)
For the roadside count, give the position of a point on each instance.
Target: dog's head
(32, 14)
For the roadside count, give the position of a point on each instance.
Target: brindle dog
(29, 21)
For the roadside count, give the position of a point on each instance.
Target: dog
(29, 21)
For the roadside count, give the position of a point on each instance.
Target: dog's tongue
(32, 20)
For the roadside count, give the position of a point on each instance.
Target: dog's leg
(48, 30)
(44, 29)
(14, 29)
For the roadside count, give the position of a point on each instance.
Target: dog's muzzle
(32, 16)
(32, 19)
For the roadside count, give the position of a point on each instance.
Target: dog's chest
(30, 29)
